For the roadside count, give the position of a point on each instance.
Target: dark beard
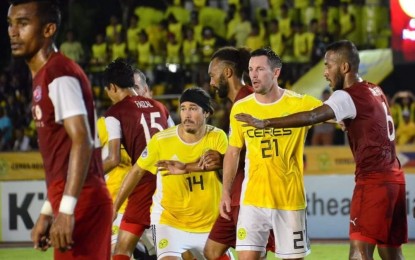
(339, 83)
(223, 88)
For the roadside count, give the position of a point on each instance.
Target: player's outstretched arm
(130, 181)
(315, 116)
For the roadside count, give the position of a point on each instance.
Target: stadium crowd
(173, 44)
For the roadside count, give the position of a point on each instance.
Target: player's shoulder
(301, 97)
(215, 130)
(166, 133)
(244, 100)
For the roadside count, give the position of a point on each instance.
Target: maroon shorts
(378, 211)
(91, 236)
(139, 203)
(93, 220)
(224, 231)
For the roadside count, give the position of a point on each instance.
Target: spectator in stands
(403, 102)
(255, 40)
(112, 29)
(98, 61)
(21, 140)
(119, 47)
(348, 24)
(276, 38)
(190, 55)
(405, 133)
(6, 130)
(242, 29)
(175, 27)
(72, 48)
(132, 35)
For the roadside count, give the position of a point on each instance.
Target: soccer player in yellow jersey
(188, 192)
(273, 194)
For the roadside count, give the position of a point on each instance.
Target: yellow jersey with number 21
(274, 157)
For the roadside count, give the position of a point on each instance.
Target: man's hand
(61, 232)
(40, 232)
(210, 158)
(172, 167)
(250, 120)
(114, 214)
(225, 206)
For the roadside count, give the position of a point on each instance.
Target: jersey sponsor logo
(255, 132)
(143, 104)
(163, 243)
(37, 94)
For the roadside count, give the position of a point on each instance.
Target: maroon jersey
(239, 177)
(60, 90)
(371, 135)
(140, 118)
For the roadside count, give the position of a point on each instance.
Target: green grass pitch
(319, 251)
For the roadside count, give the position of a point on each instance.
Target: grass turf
(319, 251)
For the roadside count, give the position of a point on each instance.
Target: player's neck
(192, 137)
(234, 89)
(39, 59)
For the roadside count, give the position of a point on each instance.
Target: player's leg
(128, 237)
(361, 250)
(390, 252)
(291, 236)
(222, 236)
(377, 217)
(253, 229)
(170, 243)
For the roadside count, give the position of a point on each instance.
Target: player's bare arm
(77, 128)
(114, 155)
(230, 165)
(209, 161)
(130, 181)
(315, 116)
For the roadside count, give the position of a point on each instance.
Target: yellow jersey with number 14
(274, 157)
(188, 202)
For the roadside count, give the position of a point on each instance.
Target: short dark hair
(120, 73)
(274, 60)
(348, 51)
(48, 10)
(237, 58)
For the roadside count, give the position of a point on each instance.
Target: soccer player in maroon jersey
(378, 208)
(76, 217)
(132, 121)
(227, 68)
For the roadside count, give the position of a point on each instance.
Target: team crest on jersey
(37, 94)
(144, 153)
(163, 243)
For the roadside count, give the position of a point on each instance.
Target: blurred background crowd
(172, 41)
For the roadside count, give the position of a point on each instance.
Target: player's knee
(212, 253)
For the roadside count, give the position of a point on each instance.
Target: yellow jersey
(115, 177)
(274, 157)
(188, 202)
